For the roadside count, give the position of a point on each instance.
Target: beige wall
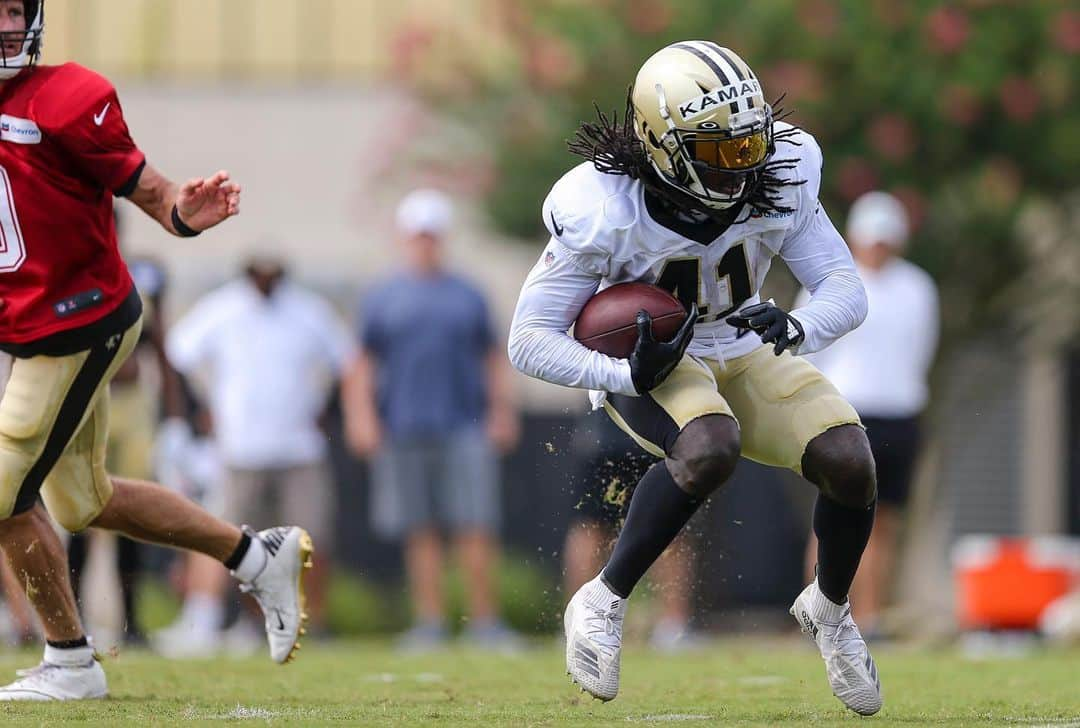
(271, 39)
(322, 171)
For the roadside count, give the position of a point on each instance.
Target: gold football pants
(54, 421)
(781, 403)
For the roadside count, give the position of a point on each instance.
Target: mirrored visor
(723, 153)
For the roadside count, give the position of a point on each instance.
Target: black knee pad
(839, 461)
(704, 454)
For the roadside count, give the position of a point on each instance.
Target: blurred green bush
(527, 601)
(966, 110)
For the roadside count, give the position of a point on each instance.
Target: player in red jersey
(69, 316)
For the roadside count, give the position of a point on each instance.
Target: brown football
(607, 323)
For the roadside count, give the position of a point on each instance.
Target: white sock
(202, 613)
(597, 594)
(253, 563)
(824, 608)
(69, 656)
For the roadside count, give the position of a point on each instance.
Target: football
(607, 323)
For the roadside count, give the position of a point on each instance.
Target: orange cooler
(1006, 583)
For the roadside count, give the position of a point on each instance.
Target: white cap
(424, 211)
(877, 217)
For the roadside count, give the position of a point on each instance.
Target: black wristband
(181, 229)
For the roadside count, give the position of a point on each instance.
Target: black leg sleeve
(658, 510)
(842, 534)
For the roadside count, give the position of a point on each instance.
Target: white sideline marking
(758, 680)
(667, 717)
(240, 712)
(420, 677)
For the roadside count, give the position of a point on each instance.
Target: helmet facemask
(28, 41)
(711, 163)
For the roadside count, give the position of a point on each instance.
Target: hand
(503, 429)
(203, 203)
(773, 324)
(652, 361)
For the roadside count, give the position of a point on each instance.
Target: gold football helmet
(701, 115)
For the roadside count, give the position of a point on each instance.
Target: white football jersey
(605, 230)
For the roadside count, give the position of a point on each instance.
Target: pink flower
(820, 17)
(947, 29)
(648, 17)
(914, 203)
(408, 46)
(855, 176)
(892, 137)
(800, 81)
(552, 63)
(1019, 98)
(1065, 29)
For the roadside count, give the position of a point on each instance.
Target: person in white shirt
(882, 369)
(695, 190)
(271, 352)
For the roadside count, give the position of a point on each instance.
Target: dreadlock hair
(613, 148)
(611, 145)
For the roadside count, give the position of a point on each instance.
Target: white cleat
(593, 622)
(279, 588)
(848, 664)
(48, 681)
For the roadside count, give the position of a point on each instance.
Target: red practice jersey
(65, 151)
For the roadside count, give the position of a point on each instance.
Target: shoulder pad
(587, 209)
(799, 156)
(800, 147)
(71, 90)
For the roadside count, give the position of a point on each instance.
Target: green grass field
(746, 682)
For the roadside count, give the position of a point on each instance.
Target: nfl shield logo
(549, 258)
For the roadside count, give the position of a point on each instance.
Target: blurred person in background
(187, 458)
(429, 405)
(608, 464)
(271, 353)
(882, 369)
(132, 420)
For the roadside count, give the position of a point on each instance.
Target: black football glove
(773, 324)
(652, 361)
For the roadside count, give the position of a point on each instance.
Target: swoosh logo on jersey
(559, 229)
(99, 118)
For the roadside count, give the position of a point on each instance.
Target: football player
(69, 316)
(696, 189)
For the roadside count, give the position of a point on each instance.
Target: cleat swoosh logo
(280, 623)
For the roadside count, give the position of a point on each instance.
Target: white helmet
(30, 40)
(701, 115)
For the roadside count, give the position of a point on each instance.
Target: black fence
(751, 537)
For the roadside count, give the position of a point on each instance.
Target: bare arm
(200, 202)
(362, 427)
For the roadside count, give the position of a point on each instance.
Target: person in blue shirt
(428, 405)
